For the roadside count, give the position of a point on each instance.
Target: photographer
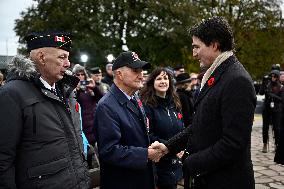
(88, 94)
(272, 89)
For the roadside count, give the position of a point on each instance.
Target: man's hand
(157, 151)
(159, 146)
(180, 154)
(91, 84)
(154, 154)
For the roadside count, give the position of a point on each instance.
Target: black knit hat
(131, 60)
(275, 72)
(61, 40)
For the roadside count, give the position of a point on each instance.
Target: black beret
(183, 78)
(95, 70)
(131, 60)
(61, 40)
(177, 67)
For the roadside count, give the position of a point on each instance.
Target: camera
(84, 83)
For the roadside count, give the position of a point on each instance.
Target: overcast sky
(9, 11)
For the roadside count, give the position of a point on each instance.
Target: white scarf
(217, 62)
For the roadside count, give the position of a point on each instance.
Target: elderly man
(218, 140)
(121, 129)
(40, 137)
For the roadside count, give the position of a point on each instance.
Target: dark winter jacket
(123, 142)
(218, 141)
(279, 151)
(186, 99)
(40, 136)
(165, 122)
(108, 80)
(273, 94)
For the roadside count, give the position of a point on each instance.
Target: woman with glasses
(88, 95)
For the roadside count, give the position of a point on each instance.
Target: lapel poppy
(211, 81)
(139, 102)
(77, 107)
(179, 115)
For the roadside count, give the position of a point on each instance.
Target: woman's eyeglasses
(79, 74)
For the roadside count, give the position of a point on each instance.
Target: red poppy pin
(211, 81)
(179, 115)
(139, 103)
(77, 106)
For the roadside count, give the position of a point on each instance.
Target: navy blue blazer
(123, 140)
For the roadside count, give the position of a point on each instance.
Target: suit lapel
(133, 108)
(122, 99)
(213, 79)
(142, 111)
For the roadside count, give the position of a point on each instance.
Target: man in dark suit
(121, 129)
(218, 141)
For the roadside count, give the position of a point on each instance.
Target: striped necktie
(134, 101)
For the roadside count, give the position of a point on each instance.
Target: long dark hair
(148, 93)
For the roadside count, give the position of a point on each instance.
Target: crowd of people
(143, 131)
(272, 89)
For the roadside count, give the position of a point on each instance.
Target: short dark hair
(215, 29)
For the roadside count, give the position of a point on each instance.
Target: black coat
(40, 136)
(123, 142)
(273, 93)
(165, 122)
(279, 151)
(218, 140)
(186, 99)
(108, 80)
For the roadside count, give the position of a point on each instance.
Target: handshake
(156, 151)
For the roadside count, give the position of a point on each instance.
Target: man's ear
(119, 74)
(216, 46)
(41, 57)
